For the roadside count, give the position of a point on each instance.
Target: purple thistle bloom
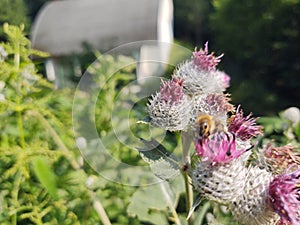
(171, 91)
(170, 107)
(205, 61)
(244, 127)
(220, 148)
(284, 195)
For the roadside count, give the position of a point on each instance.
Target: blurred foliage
(261, 41)
(35, 155)
(191, 21)
(13, 12)
(33, 6)
(281, 129)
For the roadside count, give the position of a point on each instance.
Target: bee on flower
(207, 125)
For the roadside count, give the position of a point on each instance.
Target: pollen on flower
(284, 195)
(220, 148)
(205, 61)
(244, 127)
(172, 91)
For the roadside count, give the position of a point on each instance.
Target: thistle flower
(220, 148)
(172, 91)
(170, 107)
(251, 205)
(279, 159)
(220, 183)
(204, 61)
(198, 82)
(216, 105)
(200, 75)
(284, 195)
(244, 127)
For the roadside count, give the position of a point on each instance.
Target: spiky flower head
(219, 102)
(219, 148)
(198, 82)
(284, 194)
(251, 205)
(200, 75)
(279, 159)
(204, 61)
(170, 107)
(220, 183)
(244, 127)
(216, 105)
(172, 91)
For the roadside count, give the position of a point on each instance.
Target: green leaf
(157, 202)
(146, 207)
(163, 163)
(45, 175)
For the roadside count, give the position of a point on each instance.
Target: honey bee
(207, 125)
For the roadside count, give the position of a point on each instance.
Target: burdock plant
(220, 168)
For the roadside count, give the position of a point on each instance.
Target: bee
(207, 125)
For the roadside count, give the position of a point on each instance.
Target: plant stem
(14, 195)
(188, 196)
(186, 142)
(17, 55)
(100, 209)
(19, 112)
(21, 129)
(203, 212)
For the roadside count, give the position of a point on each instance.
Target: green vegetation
(43, 178)
(13, 12)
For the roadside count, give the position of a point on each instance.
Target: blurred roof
(61, 27)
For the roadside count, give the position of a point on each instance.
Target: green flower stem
(188, 196)
(186, 140)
